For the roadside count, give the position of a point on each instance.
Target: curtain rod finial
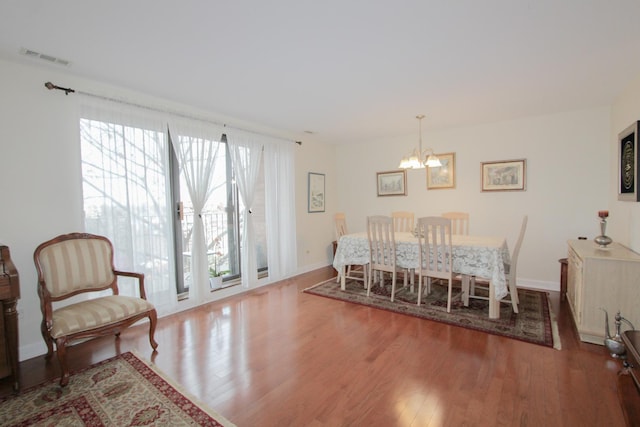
(51, 86)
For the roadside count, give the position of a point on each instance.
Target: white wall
(40, 177)
(40, 181)
(566, 183)
(624, 219)
(315, 230)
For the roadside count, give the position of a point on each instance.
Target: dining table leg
(494, 304)
(343, 284)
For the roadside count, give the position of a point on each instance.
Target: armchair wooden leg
(61, 349)
(153, 320)
(47, 340)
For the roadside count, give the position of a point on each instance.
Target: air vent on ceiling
(51, 59)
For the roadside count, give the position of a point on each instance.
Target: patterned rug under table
(535, 322)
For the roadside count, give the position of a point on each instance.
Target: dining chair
(510, 272)
(460, 225)
(436, 254)
(459, 222)
(340, 222)
(511, 268)
(403, 221)
(360, 273)
(382, 252)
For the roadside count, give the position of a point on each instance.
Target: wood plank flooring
(280, 357)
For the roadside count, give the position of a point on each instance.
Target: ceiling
(348, 71)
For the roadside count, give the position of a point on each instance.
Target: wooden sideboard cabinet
(9, 294)
(599, 279)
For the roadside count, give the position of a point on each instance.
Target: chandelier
(420, 158)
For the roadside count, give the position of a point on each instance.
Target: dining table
(484, 257)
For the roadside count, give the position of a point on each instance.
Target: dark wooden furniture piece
(9, 294)
(77, 263)
(629, 379)
(564, 262)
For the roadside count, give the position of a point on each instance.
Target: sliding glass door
(135, 194)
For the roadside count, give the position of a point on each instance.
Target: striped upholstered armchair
(76, 263)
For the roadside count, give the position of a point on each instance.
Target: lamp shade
(433, 161)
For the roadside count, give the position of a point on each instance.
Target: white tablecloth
(480, 256)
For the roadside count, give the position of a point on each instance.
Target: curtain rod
(67, 91)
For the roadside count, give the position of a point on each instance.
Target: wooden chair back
(436, 251)
(436, 254)
(459, 222)
(403, 221)
(75, 263)
(382, 243)
(340, 223)
(516, 252)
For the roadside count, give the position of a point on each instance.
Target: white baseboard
(312, 267)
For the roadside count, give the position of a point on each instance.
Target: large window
(125, 187)
(133, 195)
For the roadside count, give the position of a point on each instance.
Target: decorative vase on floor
(603, 240)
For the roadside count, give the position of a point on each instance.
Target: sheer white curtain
(125, 181)
(197, 145)
(246, 152)
(279, 161)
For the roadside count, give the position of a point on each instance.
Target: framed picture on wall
(442, 176)
(628, 164)
(392, 183)
(316, 196)
(504, 175)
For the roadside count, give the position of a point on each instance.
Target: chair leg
(393, 285)
(47, 340)
(153, 320)
(465, 281)
(419, 288)
(513, 290)
(412, 279)
(369, 280)
(61, 349)
(364, 276)
(449, 296)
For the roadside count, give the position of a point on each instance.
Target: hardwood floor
(280, 357)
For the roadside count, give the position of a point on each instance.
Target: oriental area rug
(121, 391)
(534, 323)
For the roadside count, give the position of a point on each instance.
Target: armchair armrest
(139, 276)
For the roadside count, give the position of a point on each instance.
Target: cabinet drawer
(574, 259)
